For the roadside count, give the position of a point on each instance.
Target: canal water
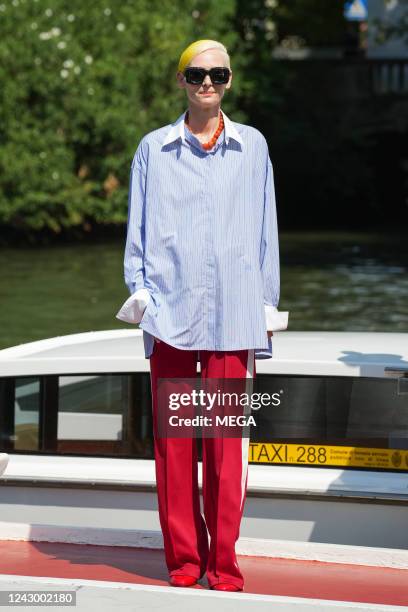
(329, 281)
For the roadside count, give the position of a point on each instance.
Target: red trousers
(225, 474)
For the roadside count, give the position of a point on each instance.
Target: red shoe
(182, 580)
(225, 586)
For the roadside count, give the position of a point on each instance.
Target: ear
(180, 80)
(228, 85)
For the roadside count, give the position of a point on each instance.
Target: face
(207, 94)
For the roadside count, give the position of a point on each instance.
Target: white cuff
(275, 321)
(132, 310)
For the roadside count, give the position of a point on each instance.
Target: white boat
(327, 481)
(4, 459)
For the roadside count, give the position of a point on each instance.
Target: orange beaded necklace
(209, 145)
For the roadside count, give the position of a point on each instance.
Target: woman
(202, 265)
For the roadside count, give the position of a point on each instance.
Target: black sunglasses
(218, 76)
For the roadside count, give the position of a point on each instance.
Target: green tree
(80, 84)
(386, 29)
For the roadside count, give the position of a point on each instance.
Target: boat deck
(288, 578)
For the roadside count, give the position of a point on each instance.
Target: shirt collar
(177, 130)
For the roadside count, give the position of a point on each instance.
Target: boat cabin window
(319, 421)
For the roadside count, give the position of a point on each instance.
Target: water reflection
(330, 284)
(329, 281)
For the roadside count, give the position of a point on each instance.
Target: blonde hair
(198, 47)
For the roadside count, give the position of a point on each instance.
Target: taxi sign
(324, 454)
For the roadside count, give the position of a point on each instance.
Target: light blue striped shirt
(202, 239)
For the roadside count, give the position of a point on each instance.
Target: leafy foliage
(80, 83)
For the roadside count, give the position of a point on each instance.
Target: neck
(203, 121)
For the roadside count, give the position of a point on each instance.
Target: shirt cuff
(275, 320)
(132, 310)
